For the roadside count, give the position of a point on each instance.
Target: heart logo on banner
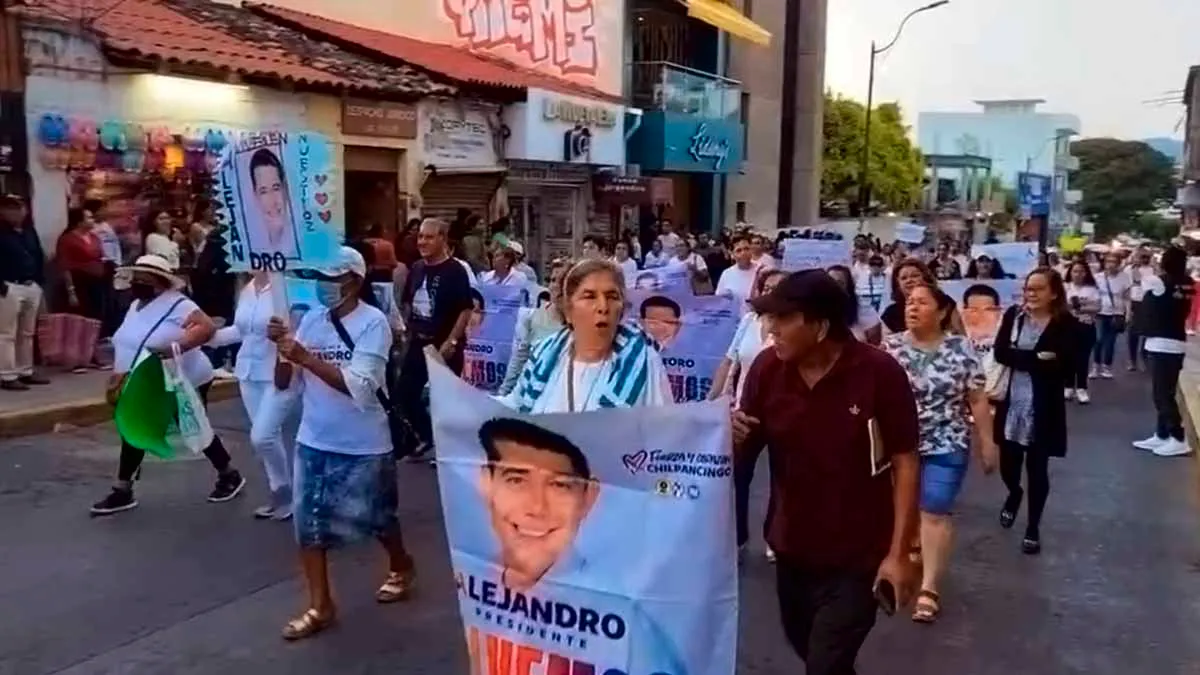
(636, 461)
(325, 215)
(320, 178)
(322, 198)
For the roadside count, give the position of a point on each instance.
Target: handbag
(114, 389)
(1118, 320)
(998, 376)
(404, 439)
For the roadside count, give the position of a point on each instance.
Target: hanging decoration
(52, 136)
(83, 141)
(135, 155)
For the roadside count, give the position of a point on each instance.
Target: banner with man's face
(693, 333)
(490, 333)
(593, 542)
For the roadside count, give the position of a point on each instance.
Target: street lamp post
(864, 187)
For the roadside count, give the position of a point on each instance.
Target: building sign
(457, 135)
(382, 119)
(560, 34)
(613, 190)
(551, 127)
(677, 142)
(1034, 193)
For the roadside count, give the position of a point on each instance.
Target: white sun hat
(153, 265)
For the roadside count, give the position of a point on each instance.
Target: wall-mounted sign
(677, 142)
(706, 146)
(613, 190)
(582, 114)
(577, 145)
(383, 119)
(457, 135)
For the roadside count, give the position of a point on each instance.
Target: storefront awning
(721, 15)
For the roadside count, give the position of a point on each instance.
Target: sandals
(397, 587)
(307, 624)
(927, 608)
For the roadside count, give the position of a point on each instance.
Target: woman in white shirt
(1083, 297)
(345, 478)
(160, 237)
(502, 272)
(657, 257)
(267, 406)
(622, 259)
(596, 361)
(866, 326)
(162, 321)
(752, 336)
(1114, 285)
(686, 259)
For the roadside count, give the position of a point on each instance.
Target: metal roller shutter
(444, 194)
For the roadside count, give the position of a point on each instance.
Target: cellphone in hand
(885, 595)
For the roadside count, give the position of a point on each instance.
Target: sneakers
(1083, 396)
(1093, 373)
(229, 485)
(1150, 443)
(1106, 373)
(1069, 394)
(118, 500)
(1172, 448)
(770, 555)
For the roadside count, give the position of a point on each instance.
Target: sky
(1098, 59)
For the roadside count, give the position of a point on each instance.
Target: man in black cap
(22, 273)
(840, 422)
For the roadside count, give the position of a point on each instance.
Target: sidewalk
(68, 401)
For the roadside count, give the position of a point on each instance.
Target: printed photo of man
(662, 318)
(270, 228)
(538, 488)
(647, 281)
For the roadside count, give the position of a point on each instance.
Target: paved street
(183, 587)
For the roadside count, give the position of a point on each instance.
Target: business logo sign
(577, 145)
(705, 147)
(582, 114)
(383, 119)
(557, 33)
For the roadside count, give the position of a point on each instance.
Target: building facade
(1189, 191)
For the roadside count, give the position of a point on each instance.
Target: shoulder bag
(997, 376)
(1118, 320)
(404, 439)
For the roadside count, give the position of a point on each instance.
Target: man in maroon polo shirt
(839, 423)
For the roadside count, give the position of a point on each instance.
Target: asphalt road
(182, 587)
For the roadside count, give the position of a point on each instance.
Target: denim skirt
(343, 498)
(941, 480)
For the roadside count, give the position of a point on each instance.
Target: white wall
(69, 76)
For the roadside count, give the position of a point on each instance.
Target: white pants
(268, 409)
(18, 329)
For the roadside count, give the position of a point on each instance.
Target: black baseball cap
(812, 293)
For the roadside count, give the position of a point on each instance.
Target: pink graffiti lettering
(562, 32)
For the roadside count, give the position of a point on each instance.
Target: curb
(81, 413)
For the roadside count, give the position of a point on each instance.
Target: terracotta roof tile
(200, 32)
(456, 62)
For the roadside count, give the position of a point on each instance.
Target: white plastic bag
(192, 430)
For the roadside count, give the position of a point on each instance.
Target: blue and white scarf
(628, 370)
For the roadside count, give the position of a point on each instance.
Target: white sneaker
(1083, 397)
(1151, 443)
(1069, 394)
(1093, 373)
(1106, 373)
(1173, 448)
(770, 555)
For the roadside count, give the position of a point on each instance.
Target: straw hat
(152, 265)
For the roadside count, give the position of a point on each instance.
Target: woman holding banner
(536, 324)
(948, 383)
(595, 361)
(345, 474)
(162, 321)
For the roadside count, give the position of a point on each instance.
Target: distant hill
(1171, 147)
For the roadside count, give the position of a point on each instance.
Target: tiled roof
(456, 62)
(223, 37)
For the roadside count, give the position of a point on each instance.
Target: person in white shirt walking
(161, 239)
(503, 272)
(657, 257)
(622, 259)
(1139, 268)
(737, 281)
(686, 259)
(1083, 298)
(1114, 285)
(267, 406)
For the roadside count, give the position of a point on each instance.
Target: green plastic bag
(146, 411)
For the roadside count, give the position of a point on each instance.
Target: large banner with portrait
(660, 279)
(693, 333)
(596, 543)
(490, 334)
(276, 195)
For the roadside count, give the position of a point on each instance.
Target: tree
(896, 165)
(1120, 179)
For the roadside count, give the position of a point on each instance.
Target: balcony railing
(659, 85)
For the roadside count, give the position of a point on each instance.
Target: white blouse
(748, 342)
(257, 355)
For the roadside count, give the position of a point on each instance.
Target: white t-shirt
(163, 247)
(748, 342)
(628, 267)
(471, 276)
(332, 421)
(1088, 295)
(669, 240)
(694, 258)
(1136, 274)
(1153, 285)
(737, 283)
(589, 386)
(1112, 293)
(514, 278)
(654, 260)
(144, 320)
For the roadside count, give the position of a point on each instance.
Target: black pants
(1037, 470)
(1164, 379)
(1086, 340)
(131, 457)
(413, 378)
(826, 615)
(1133, 334)
(743, 478)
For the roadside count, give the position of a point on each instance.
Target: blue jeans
(1106, 340)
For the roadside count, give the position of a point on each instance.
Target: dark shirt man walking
(838, 420)
(22, 274)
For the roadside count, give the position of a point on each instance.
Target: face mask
(141, 291)
(329, 293)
